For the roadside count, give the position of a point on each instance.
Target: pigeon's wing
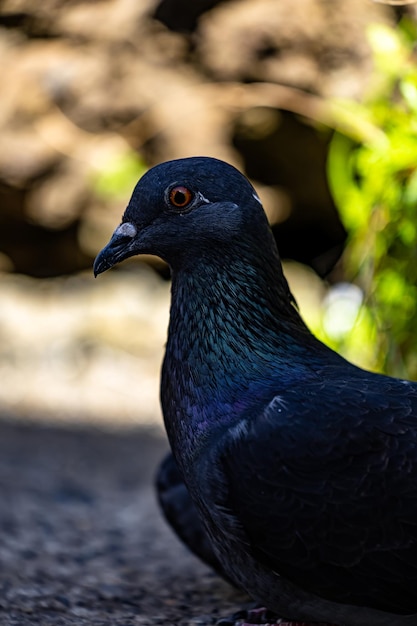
(181, 513)
(324, 484)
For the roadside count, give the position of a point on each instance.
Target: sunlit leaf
(118, 176)
(372, 170)
(408, 90)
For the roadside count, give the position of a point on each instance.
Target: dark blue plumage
(182, 514)
(302, 466)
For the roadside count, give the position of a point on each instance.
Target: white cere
(127, 229)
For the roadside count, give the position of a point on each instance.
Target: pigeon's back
(322, 485)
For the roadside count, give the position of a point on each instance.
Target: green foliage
(372, 170)
(117, 177)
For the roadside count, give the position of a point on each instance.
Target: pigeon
(181, 513)
(301, 465)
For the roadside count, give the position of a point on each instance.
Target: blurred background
(315, 100)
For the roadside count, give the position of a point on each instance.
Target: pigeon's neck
(234, 338)
(234, 302)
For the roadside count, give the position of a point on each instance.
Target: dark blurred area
(86, 84)
(94, 93)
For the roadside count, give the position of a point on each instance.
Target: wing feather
(324, 484)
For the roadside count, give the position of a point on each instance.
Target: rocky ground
(82, 541)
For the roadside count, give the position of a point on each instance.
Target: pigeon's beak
(119, 247)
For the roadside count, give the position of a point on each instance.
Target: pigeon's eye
(180, 197)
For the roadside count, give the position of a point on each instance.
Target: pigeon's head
(183, 207)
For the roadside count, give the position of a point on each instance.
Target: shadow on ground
(81, 537)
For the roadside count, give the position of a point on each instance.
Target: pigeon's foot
(254, 615)
(262, 617)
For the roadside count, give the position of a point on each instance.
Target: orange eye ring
(180, 196)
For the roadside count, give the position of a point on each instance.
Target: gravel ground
(82, 540)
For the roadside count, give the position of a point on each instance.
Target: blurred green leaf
(119, 175)
(408, 88)
(372, 172)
